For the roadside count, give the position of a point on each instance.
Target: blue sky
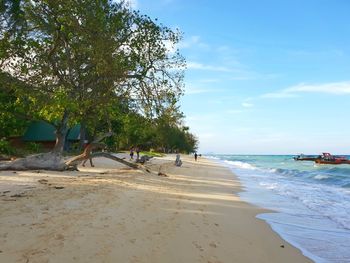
(264, 77)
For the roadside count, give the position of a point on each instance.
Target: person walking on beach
(132, 153)
(137, 153)
(88, 152)
(195, 156)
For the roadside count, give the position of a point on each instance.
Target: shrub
(6, 148)
(33, 147)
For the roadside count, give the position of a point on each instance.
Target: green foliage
(33, 147)
(6, 148)
(92, 62)
(10, 109)
(152, 153)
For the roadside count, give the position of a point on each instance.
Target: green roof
(74, 133)
(41, 131)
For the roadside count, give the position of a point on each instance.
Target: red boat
(327, 158)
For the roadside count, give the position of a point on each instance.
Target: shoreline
(266, 214)
(115, 213)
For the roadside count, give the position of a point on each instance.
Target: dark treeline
(94, 62)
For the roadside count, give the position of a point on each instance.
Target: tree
(13, 119)
(78, 57)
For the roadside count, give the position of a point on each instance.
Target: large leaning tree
(77, 58)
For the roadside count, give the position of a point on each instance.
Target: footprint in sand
(59, 237)
(197, 246)
(213, 244)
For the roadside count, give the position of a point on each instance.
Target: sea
(311, 203)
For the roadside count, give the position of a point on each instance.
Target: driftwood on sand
(56, 162)
(43, 161)
(115, 158)
(75, 161)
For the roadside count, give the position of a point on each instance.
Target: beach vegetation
(33, 147)
(6, 148)
(152, 153)
(98, 63)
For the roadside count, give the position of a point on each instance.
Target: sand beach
(112, 213)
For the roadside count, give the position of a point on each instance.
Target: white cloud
(337, 88)
(247, 105)
(193, 42)
(200, 66)
(278, 95)
(170, 47)
(209, 80)
(191, 90)
(227, 58)
(311, 54)
(334, 88)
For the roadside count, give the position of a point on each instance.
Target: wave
(304, 171)
(321, 176)
(242, 165)
(309, 199)
(212, 157)
(347, 185)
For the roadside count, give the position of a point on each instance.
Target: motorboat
(302, 157)
(327, 158)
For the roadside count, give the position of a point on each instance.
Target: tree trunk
(61, 133)
(54, 162)
(82, 135)
(73, 162)
(43, 161)
(60, 141)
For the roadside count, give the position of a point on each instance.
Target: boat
(302, 157)
(327, 158)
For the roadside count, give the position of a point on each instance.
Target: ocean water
(312, 202)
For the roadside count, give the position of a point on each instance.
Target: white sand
(111, 213)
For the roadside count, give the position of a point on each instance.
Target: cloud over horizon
(333, 88)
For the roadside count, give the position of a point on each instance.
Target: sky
(263, 77)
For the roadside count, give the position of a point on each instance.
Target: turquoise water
(312, 201)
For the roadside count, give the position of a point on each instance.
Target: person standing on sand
(178, 161)
(137, 153)
(195, 156)
(87, 152)
(132, 153)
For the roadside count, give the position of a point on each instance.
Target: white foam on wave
(241, 165)
(269, 186)
(272, 170)
(307, 209)
(212, 157)
(321, 176)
